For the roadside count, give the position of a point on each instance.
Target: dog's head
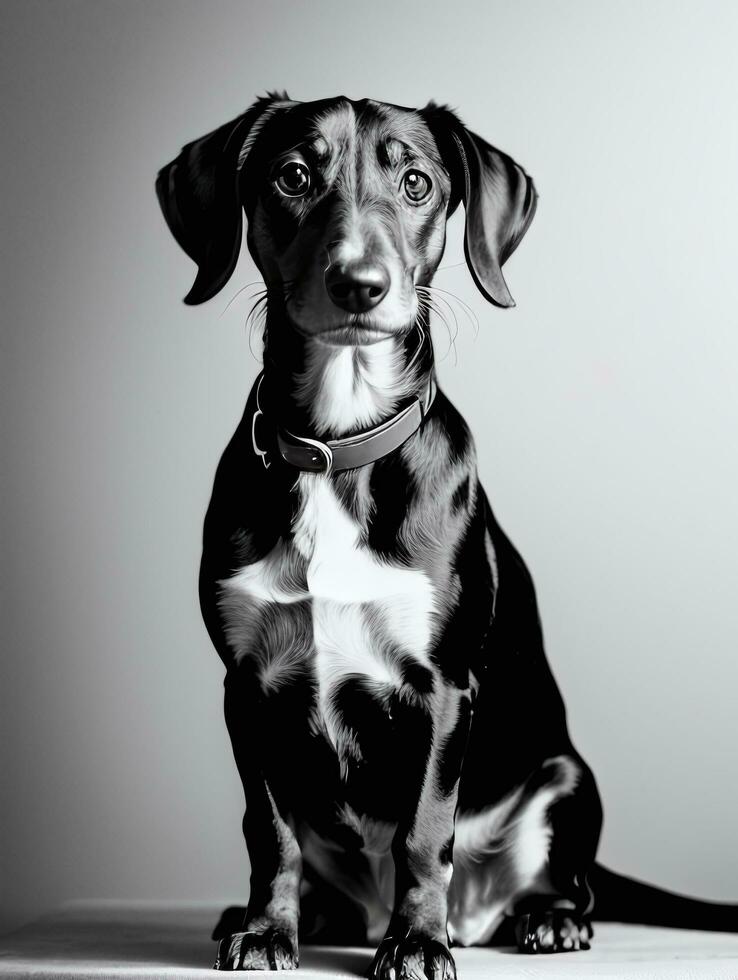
(346, 205)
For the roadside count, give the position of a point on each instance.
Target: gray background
(604, 408)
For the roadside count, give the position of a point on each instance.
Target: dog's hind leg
(538, 807)
(267, 937)
(520, 865)
(556, 920)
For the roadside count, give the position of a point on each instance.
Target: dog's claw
(412, 959)
(270, 950)
(553, 931)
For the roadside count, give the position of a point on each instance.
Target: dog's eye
(293, 179)
(417, 185)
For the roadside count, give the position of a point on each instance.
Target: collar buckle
(308, 455)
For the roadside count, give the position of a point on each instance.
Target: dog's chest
(322, 605)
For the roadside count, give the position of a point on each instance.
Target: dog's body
(408, 772)
(351, 635)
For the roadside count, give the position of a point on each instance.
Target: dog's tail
(621, 899)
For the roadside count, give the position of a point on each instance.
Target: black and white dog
(403, 747)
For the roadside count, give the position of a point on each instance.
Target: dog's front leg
(267, 939)
(416, 943)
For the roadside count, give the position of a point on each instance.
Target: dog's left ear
(498, 195)
(199, 193)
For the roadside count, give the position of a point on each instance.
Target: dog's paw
(412, 959)
(553, 931)
(271, 950)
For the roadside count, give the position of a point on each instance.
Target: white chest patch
(342, 571)
(365, 612)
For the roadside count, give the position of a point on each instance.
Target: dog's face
(346, 204)
(348, 214)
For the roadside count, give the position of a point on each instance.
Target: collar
(334, 455)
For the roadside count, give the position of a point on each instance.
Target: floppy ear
(200, 197)
(498, 195)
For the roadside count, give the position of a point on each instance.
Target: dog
(409, 776)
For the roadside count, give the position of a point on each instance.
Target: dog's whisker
(453, 314)
(432, 305)
(252, 323)
(235, 296)
(259, 304)
(253, 353)
(444, 293)
(445, 268)
(255, 318)
(471, 315)
(440, 302)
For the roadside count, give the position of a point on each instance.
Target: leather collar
(334, 455)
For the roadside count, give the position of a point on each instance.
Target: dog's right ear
(199, 195)
(499, 199)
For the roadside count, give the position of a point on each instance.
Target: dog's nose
(357, 286)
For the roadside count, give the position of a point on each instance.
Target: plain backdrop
(604, 407)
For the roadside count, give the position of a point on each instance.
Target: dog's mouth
(354, 330)
(353, 334)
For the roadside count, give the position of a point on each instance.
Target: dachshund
(408, 773)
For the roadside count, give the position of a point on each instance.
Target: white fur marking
(346, 387)
(261, 580)
(341, 570)
(345, 580)
(516, 834)
(358, 602)
(344, 648)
